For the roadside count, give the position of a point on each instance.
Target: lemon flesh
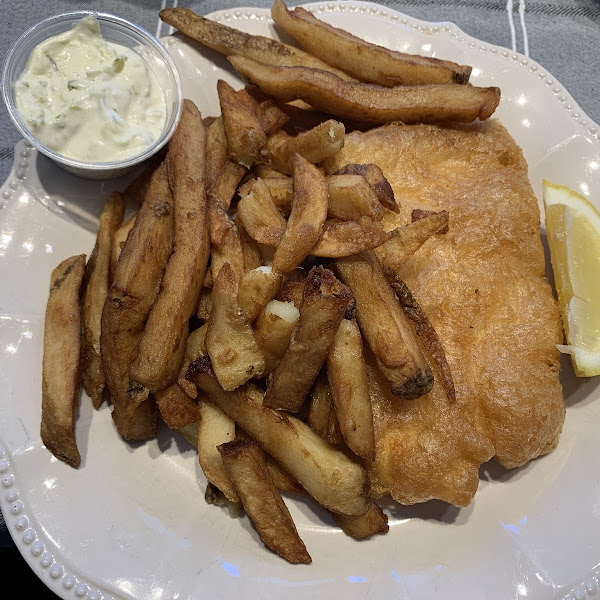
(573, 231)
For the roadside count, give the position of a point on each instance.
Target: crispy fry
(324, 303)
(292, 287)
(226, 182)
(385, 326)
(176, 408)
(213, 495)
(250, 250)
(371, 103)
(246, 138)
(378, 182)
(96, 284)
(257, 288)
(215, 428)
(194, 349)
(231, 42)
(271, 117)
(163, 340)
(315, 145)
(266, 172)
(425, 330)
(362, 526)
(259, 215)
(134, 287)
(204, 304)
(420, 213)
(365, 61)
(345, 238)
(347, 376)
(321, 412)
(230, 248)
(245, 464)
(216, 152)
(327, 474)
(136, 191)
(230, 341)
(119, 238)
(273, 331)
(60, 369)
(309, 210)
(407, 240)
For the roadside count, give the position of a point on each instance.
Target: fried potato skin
(370, 103)
(345, 238)
(61, 362)
(176, 408)
(163, 340)
(363, 526)
(119, 239)
(96, 284)
(321, 412)
(245, 465)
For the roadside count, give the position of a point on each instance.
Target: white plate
(132, 522)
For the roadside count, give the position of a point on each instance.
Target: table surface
(562, 35)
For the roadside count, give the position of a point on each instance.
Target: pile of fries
(241, 301)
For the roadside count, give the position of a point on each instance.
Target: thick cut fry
(204, 304)
(371, 103)
(134, 287)
(345, 238)
(362, 526)
(230, 248)
(292, 288)
(315, 145)
(405, 241)
(321, 412)
(163, 341)
(230, 340)
(250, 249)
(60, 369)
(271, 117)
(232, 42)
(96, 284)
(425, 331)
(245, 465)
(216, 152)
(136, 191)
(259, 215)
(257, 288)
(327, 474)
(386, 328)
(227, 181)
(119, 238)
(361, 59)
(324, 303)
(273, 331)
(176, 408)
(215, 428)
(194, 349)
(378, 182)
(309, 210)
(347, 376)
(246, 138)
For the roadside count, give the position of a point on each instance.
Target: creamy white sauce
(90, 99)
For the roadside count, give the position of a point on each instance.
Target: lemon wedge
(573, 232)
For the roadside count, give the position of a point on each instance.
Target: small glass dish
(119, 31)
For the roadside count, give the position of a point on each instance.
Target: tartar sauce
(90, 99)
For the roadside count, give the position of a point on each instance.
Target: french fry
(176, 408)
(324, 303)
(259, 215)
(215, 428)
(371, 103)
(365, 61)
(246, 139)
(230, 249)
(61, 361)
(257, 288)
(204, 304)
(267, 172)
(347, 376)
(230, 341)
(309, 210)
(321, 412)
(345, 238)
(315, 145)
(163, 340)
(425, 331)
(363, 526)
(377, 180)
(327, 474)
(194, 349)
(292, 287)
(95, 291)
(226, 182)
(213, 495)
(136, 191)
(131, 295)
(216, 152)
(271, 117)
(406, 240)
(245, 464)
(273, 331)
(386, 328)
(231, 42)
(119, 238)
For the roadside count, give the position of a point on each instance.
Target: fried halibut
(482, 286)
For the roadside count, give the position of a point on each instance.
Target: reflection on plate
(132, 522)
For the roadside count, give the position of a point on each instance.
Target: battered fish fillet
(482, 286)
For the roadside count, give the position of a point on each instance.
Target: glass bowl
(119, 31)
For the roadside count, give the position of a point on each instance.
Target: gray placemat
(562, 35)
